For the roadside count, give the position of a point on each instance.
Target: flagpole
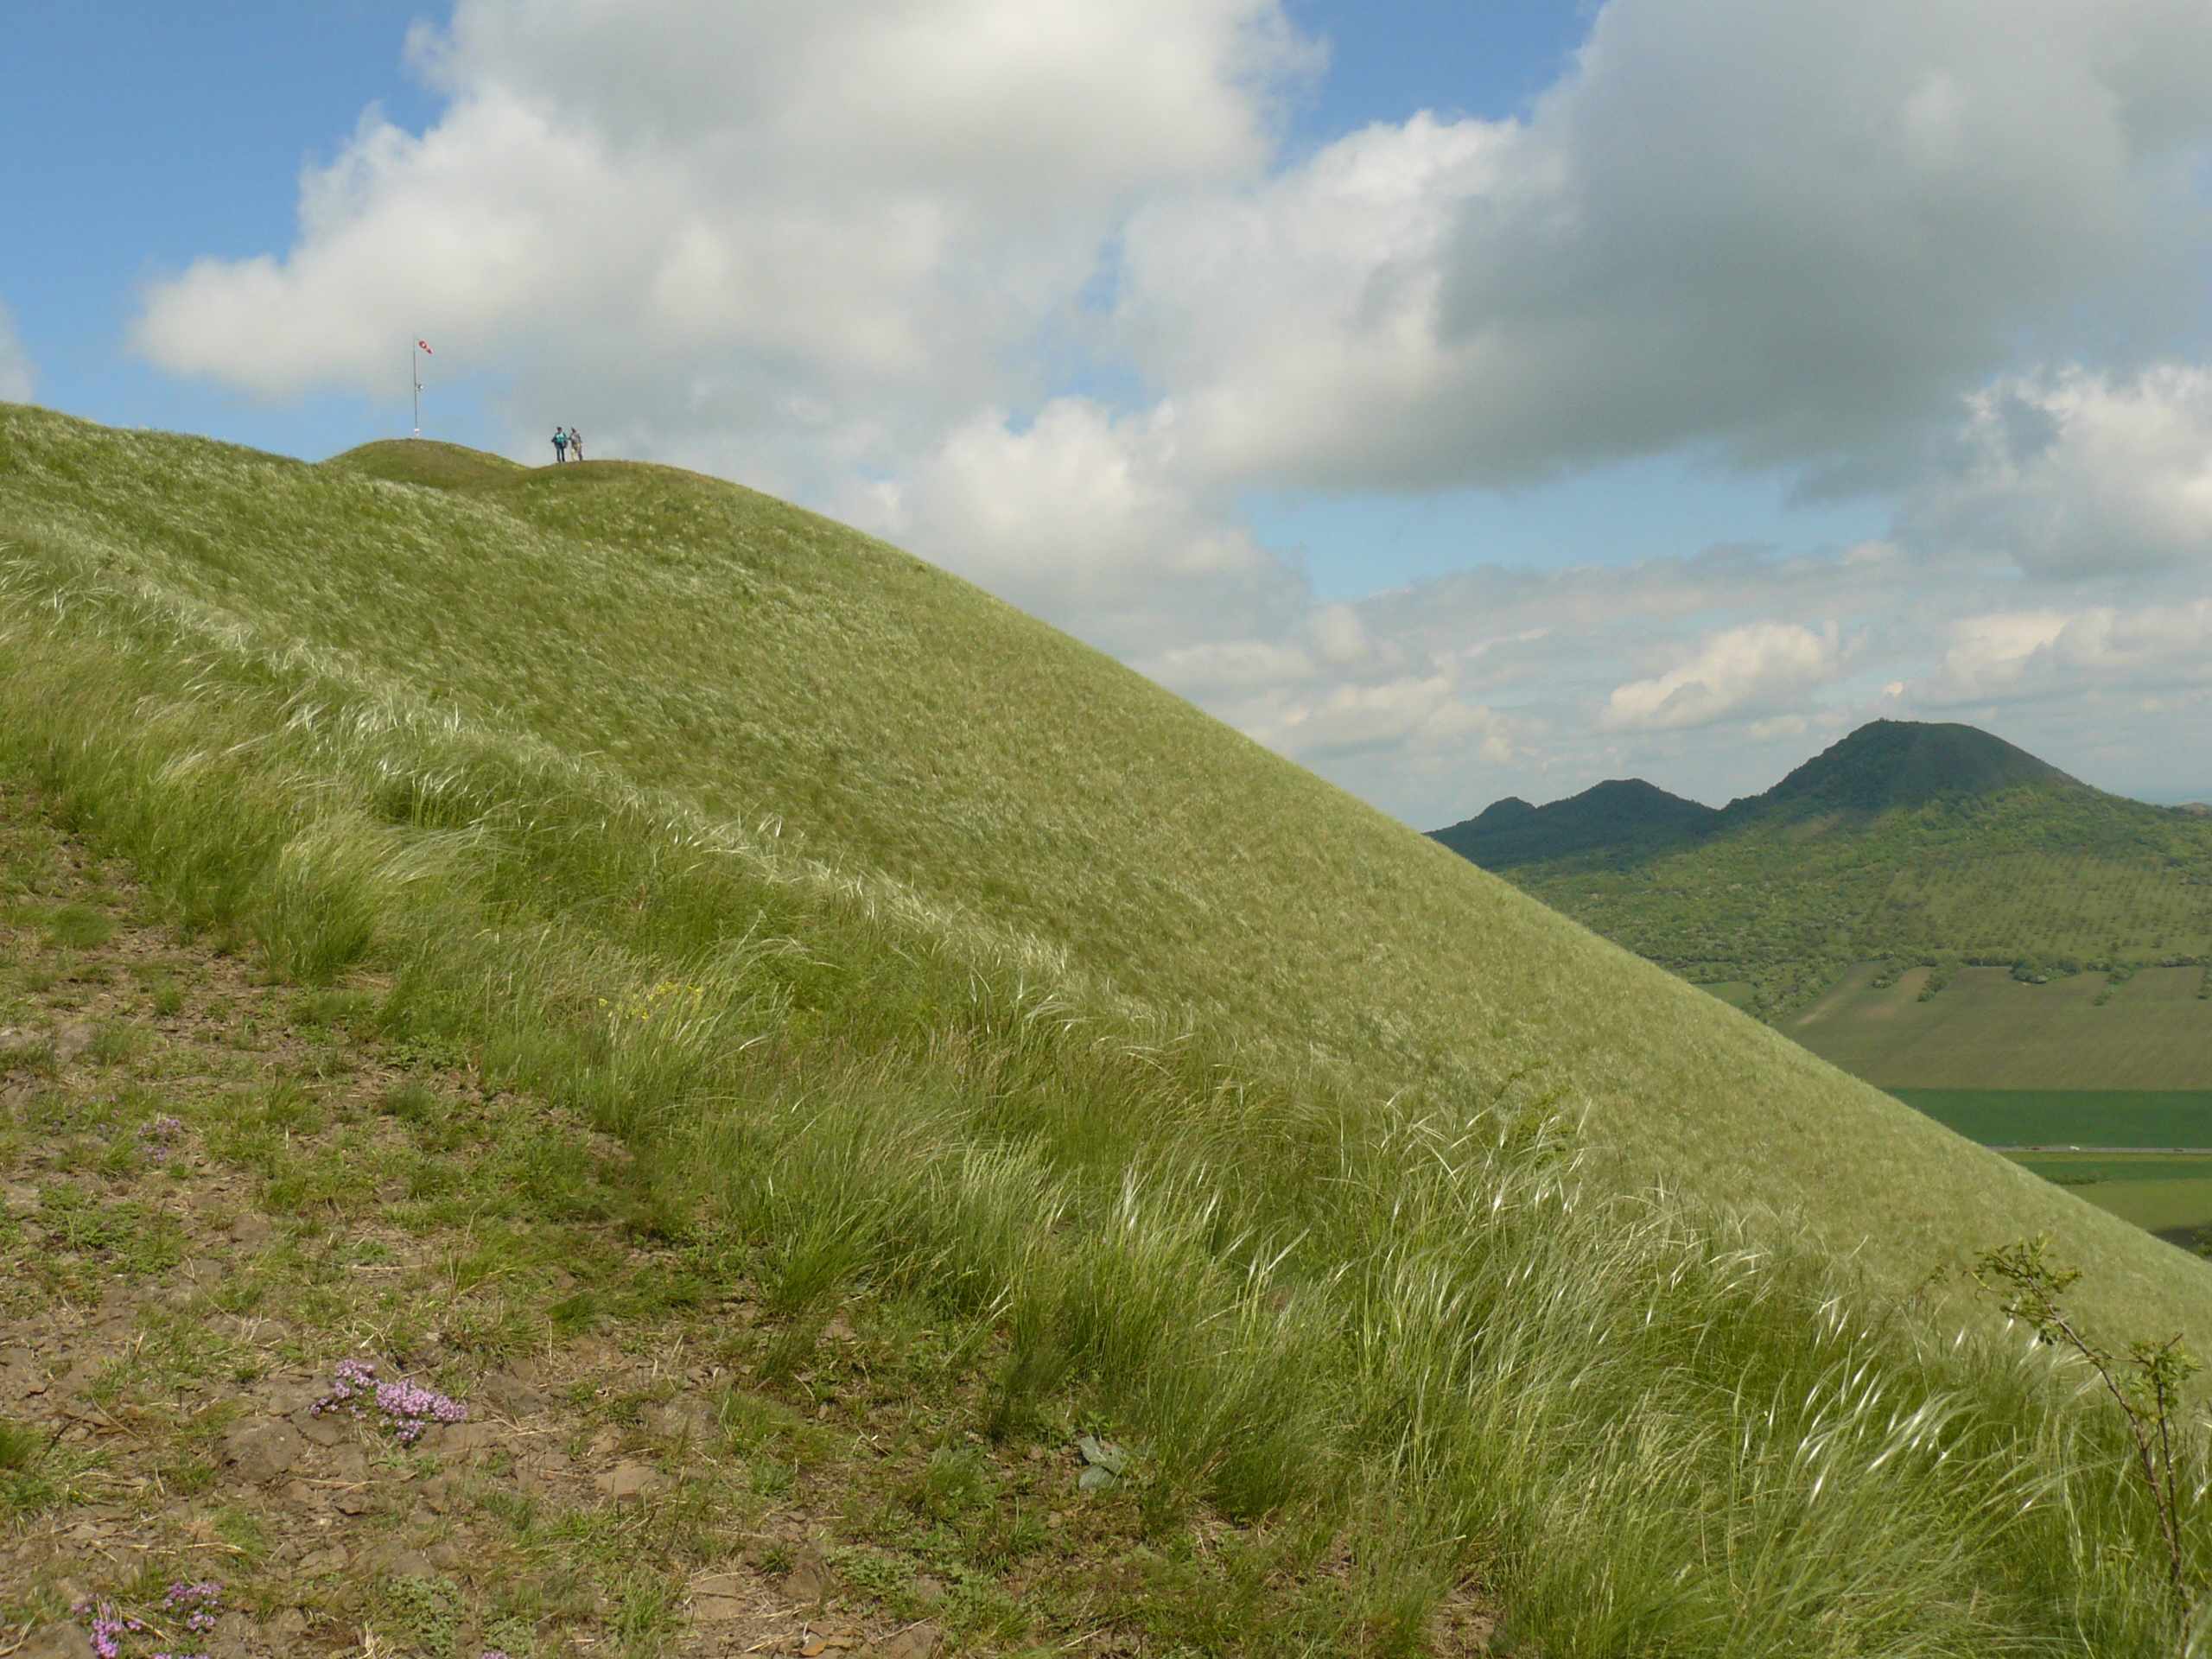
(414, 374)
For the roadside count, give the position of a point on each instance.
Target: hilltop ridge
(1608, 816)
(1882, 766)
(1892, 763)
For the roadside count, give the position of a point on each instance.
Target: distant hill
(1892, 763)
(1909, 844)
(1884, 765)
(1611, 817)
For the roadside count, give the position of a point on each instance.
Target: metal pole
(415, 373)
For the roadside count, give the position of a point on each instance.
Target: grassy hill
(1419, 1234)
(1906, 845)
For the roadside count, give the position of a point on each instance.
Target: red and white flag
(425, 345)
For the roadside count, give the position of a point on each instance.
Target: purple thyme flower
(408, 1406)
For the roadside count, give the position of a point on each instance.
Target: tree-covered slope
(920, 947)
(1911, 844)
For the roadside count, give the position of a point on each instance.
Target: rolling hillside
(929, 953)
(1906, 845)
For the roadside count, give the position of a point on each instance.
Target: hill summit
(1510, 831)
(1883, 765)
(1891, 763)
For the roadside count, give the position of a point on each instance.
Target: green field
(911, 951)
(2165, 1194)
(2158, 1118)
(2069, 1136)
(1985, 1028)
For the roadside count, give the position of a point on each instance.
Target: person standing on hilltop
(576, 442)
(560, 444)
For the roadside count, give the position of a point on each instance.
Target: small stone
(461, 1440)
(350, 1463)
(355, 1503)
(719, 1584)
(300, 1495)
(913, 1642)
(632, 1482)
(73, 1040)
(810, 1578)
(444, 1557)
(262, 1450)
(249, 1228)
(323, 1429)
(513, 1395)
(292, 1395)
(687, 1417)
(234, 1637)
(408, 1564)
(60, 1640)
(290, 1621)
(928, 1591)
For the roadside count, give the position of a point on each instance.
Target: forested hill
(1906, 842)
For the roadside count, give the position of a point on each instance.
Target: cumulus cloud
(1795, 233)
(824, 231)
(2006, 655)
(1081, 514)
(1039, 292)
(1753, 668)
(2076, 473)
(18, 379)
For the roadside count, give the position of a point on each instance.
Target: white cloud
(1081, 515)
(1037, 291)
(2075, 473)
(809, 236)
(2008, 656)
(18, 378)
(1753, 668)
(1794, 231)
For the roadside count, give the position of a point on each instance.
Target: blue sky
(138, 180)
(1601, 419)
(165, 133)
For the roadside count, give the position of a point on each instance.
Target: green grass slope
(919, 942)
(767, 667)
(1904, 845)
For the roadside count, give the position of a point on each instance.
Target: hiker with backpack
(560, 444)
